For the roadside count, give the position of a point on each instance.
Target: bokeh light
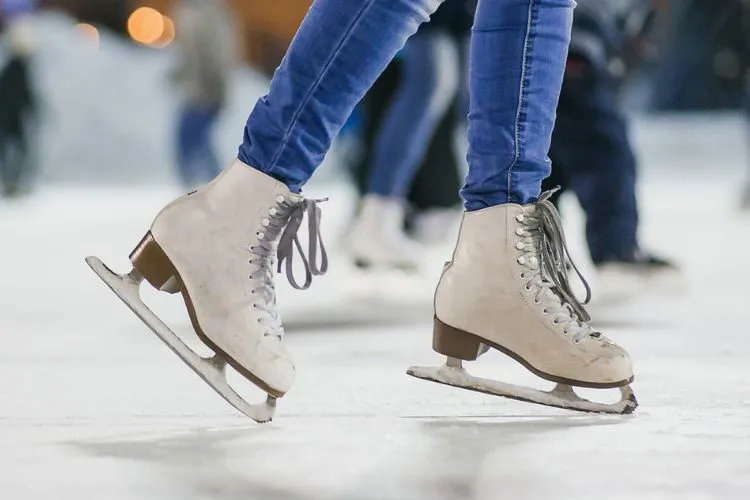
(146, 25)
(168, 33)
(89, 32)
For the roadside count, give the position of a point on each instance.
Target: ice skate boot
(217, 246)
(378, 240)
(638, 274)
(507, 288)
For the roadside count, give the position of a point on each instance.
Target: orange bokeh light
(89, 32)
(168, 34)
(146, 25)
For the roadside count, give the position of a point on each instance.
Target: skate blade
(211, 369)
(562, 396)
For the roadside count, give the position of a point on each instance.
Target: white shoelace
(546, 256)
(286, 216)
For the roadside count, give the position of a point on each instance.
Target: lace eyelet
(576, 341)
(555, 322)
(545, 311)
(537, 302)
(260, 235)
(565, 331)
(521, 260)
(273, 211)
(523, 277)
(519, 246)
(519, 218)
(265, 222)
(280, 199)
(519, 231)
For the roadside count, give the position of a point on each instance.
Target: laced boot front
(277, 238)
(507, 287)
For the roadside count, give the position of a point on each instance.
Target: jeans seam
(316, 84)
(521, 95)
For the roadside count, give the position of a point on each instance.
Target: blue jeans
(428, 85)
(518, 53)
(196, 159)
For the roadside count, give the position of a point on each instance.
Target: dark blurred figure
(18, 103)
(591, 151)
(705, 52)
(746, 31)
(746, 192)
(206, 40)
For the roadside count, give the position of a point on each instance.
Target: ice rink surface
(92, 405)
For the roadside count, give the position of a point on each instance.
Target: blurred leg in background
(427, 180)
(197, 162)
(18, 108)
(746, 192)
(433, 198)
(746, 101)
(433, 201)
(427, 84)
(592, 156)
(207, 48)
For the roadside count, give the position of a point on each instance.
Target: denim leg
(428, 84)
(210, 165)
(197, 162)
(187, 146)
(518, 53)
(591, 140)
(338, 52)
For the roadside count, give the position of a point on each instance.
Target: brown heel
(454, 343)
(150, 260)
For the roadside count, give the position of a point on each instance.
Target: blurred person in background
(592, 153)
(17, 99)
(421, 87)
(746, 24)
(206, 38)
(746, 193)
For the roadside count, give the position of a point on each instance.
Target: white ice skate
(643, 274)
(436, 226)
(378, 241)
(507, 288)
(217, 247)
